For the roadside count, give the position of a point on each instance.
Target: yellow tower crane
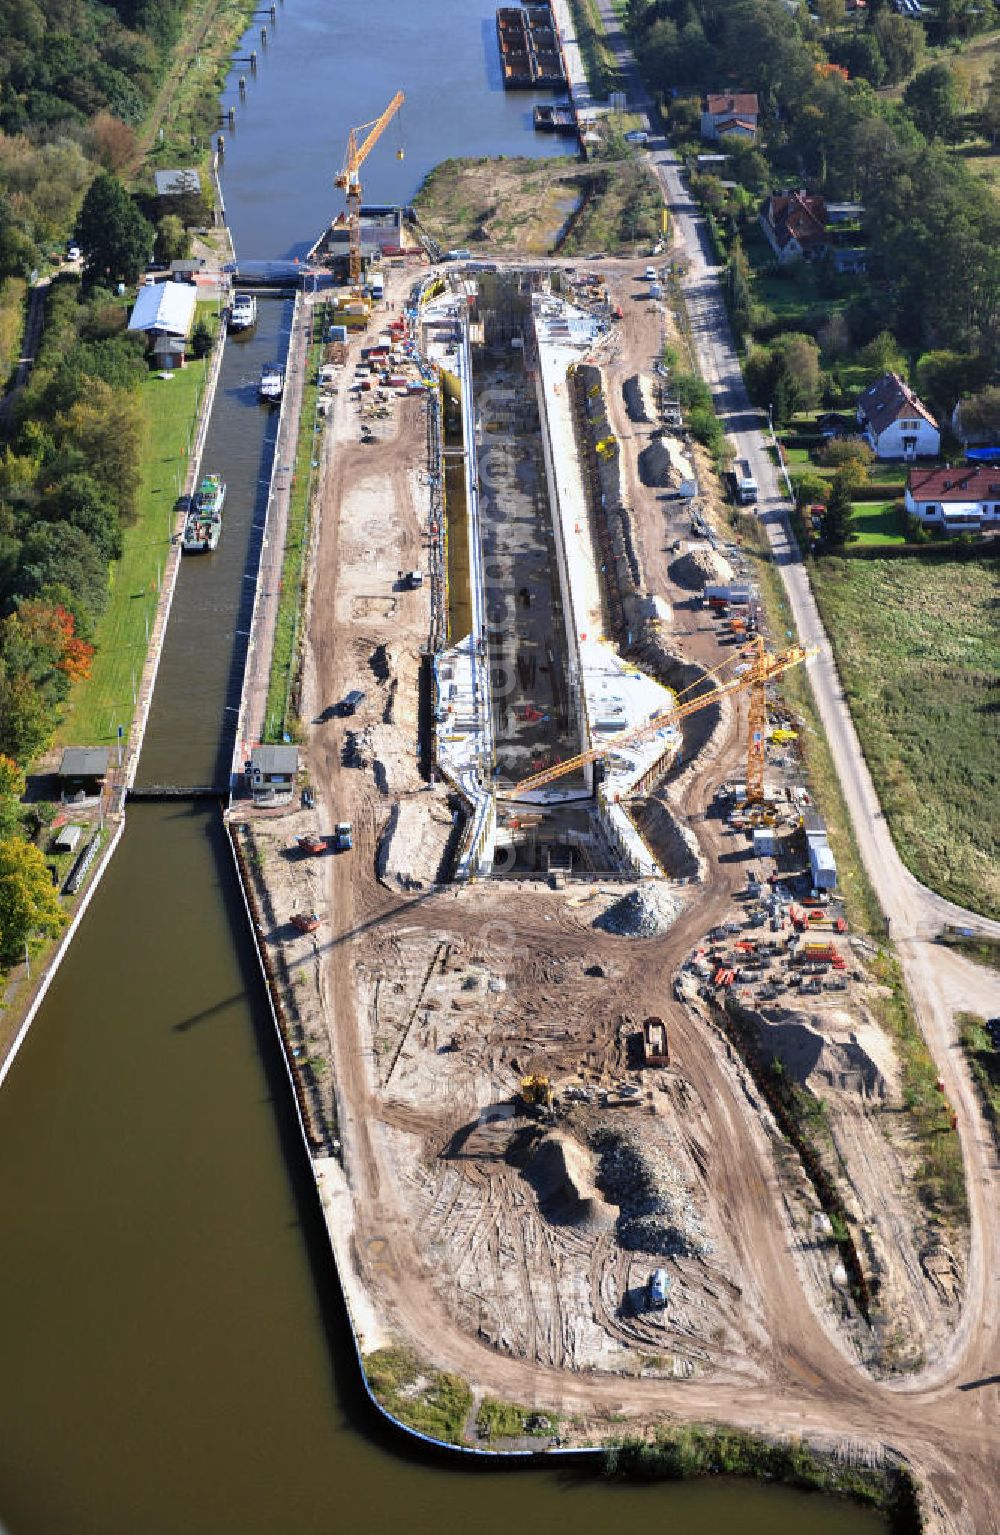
(350, 182)
(760, 668)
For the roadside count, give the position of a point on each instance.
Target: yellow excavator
(536, 1092)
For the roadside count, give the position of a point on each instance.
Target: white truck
(743, 483)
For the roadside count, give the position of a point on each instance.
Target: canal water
(173, 1347)
(331, 66)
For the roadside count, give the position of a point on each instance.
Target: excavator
(349, 180)
(759, 668)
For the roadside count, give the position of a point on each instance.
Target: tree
(943, 376)
(901, 43)
(173, 243)
(834, 335)
(29, 906)
(840, 451)
(980, 415)
(811, 487)
(112, 142)
(201, 339)
(883, 354)
(12, 786)
(831, 13)
(838, 516)
(115, 238)
(738, 280)
(932, 99)
(26, 721)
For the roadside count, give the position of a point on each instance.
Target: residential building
(895, 422)
(794, 224)
(962, 500)
(730, 113)
(272, 771)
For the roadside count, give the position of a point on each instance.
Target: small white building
(895, 422)
(962, 500)
(164, 313)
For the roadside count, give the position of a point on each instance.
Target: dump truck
(311, 844)
(658, 1289)
(744, 484)
(655, 1049)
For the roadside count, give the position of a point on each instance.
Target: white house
(962, 500)
(895, 422)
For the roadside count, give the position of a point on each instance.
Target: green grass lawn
(918, 650)
(875, 523)
(95, 708)
(292, 590)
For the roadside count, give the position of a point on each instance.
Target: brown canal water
(174, 1357)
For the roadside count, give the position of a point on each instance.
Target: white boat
(272, 383)
(243, 314)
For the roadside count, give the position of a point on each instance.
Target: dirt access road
(789, 1372)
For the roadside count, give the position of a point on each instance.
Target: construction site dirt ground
(513, 1250)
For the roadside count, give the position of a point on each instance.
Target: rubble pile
(656, 1209)
(644, 912)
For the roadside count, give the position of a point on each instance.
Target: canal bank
(173, 1346)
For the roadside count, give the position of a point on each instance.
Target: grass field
(917, 647)
(95, 708)
(875, 522)
(432, 1402)
(291, 594)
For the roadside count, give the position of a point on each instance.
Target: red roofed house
(963, 500)
(895, 422)
(795, 226)
(730, 113)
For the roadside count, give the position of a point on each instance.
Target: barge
(530, 55)
(554, 119)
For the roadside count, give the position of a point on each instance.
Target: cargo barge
(554, 119)
(530, 55)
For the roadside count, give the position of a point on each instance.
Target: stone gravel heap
(644, 912)
(656, 1210)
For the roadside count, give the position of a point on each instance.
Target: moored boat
(272, 383)
(203, 528)
(243, 313)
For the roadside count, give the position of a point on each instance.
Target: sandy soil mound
(561, 1173)
(644, 912)
(701, 566)
(821, 1063)
(413, 843)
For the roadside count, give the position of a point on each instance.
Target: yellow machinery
(760, 668)
(536, 1092)
(350, 182)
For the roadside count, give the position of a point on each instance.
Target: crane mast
(349, 180)
(762, 668)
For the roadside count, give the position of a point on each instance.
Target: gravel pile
(701, 566)
(645, 912)
(656, 1210)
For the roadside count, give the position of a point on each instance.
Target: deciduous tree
(29, 906)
